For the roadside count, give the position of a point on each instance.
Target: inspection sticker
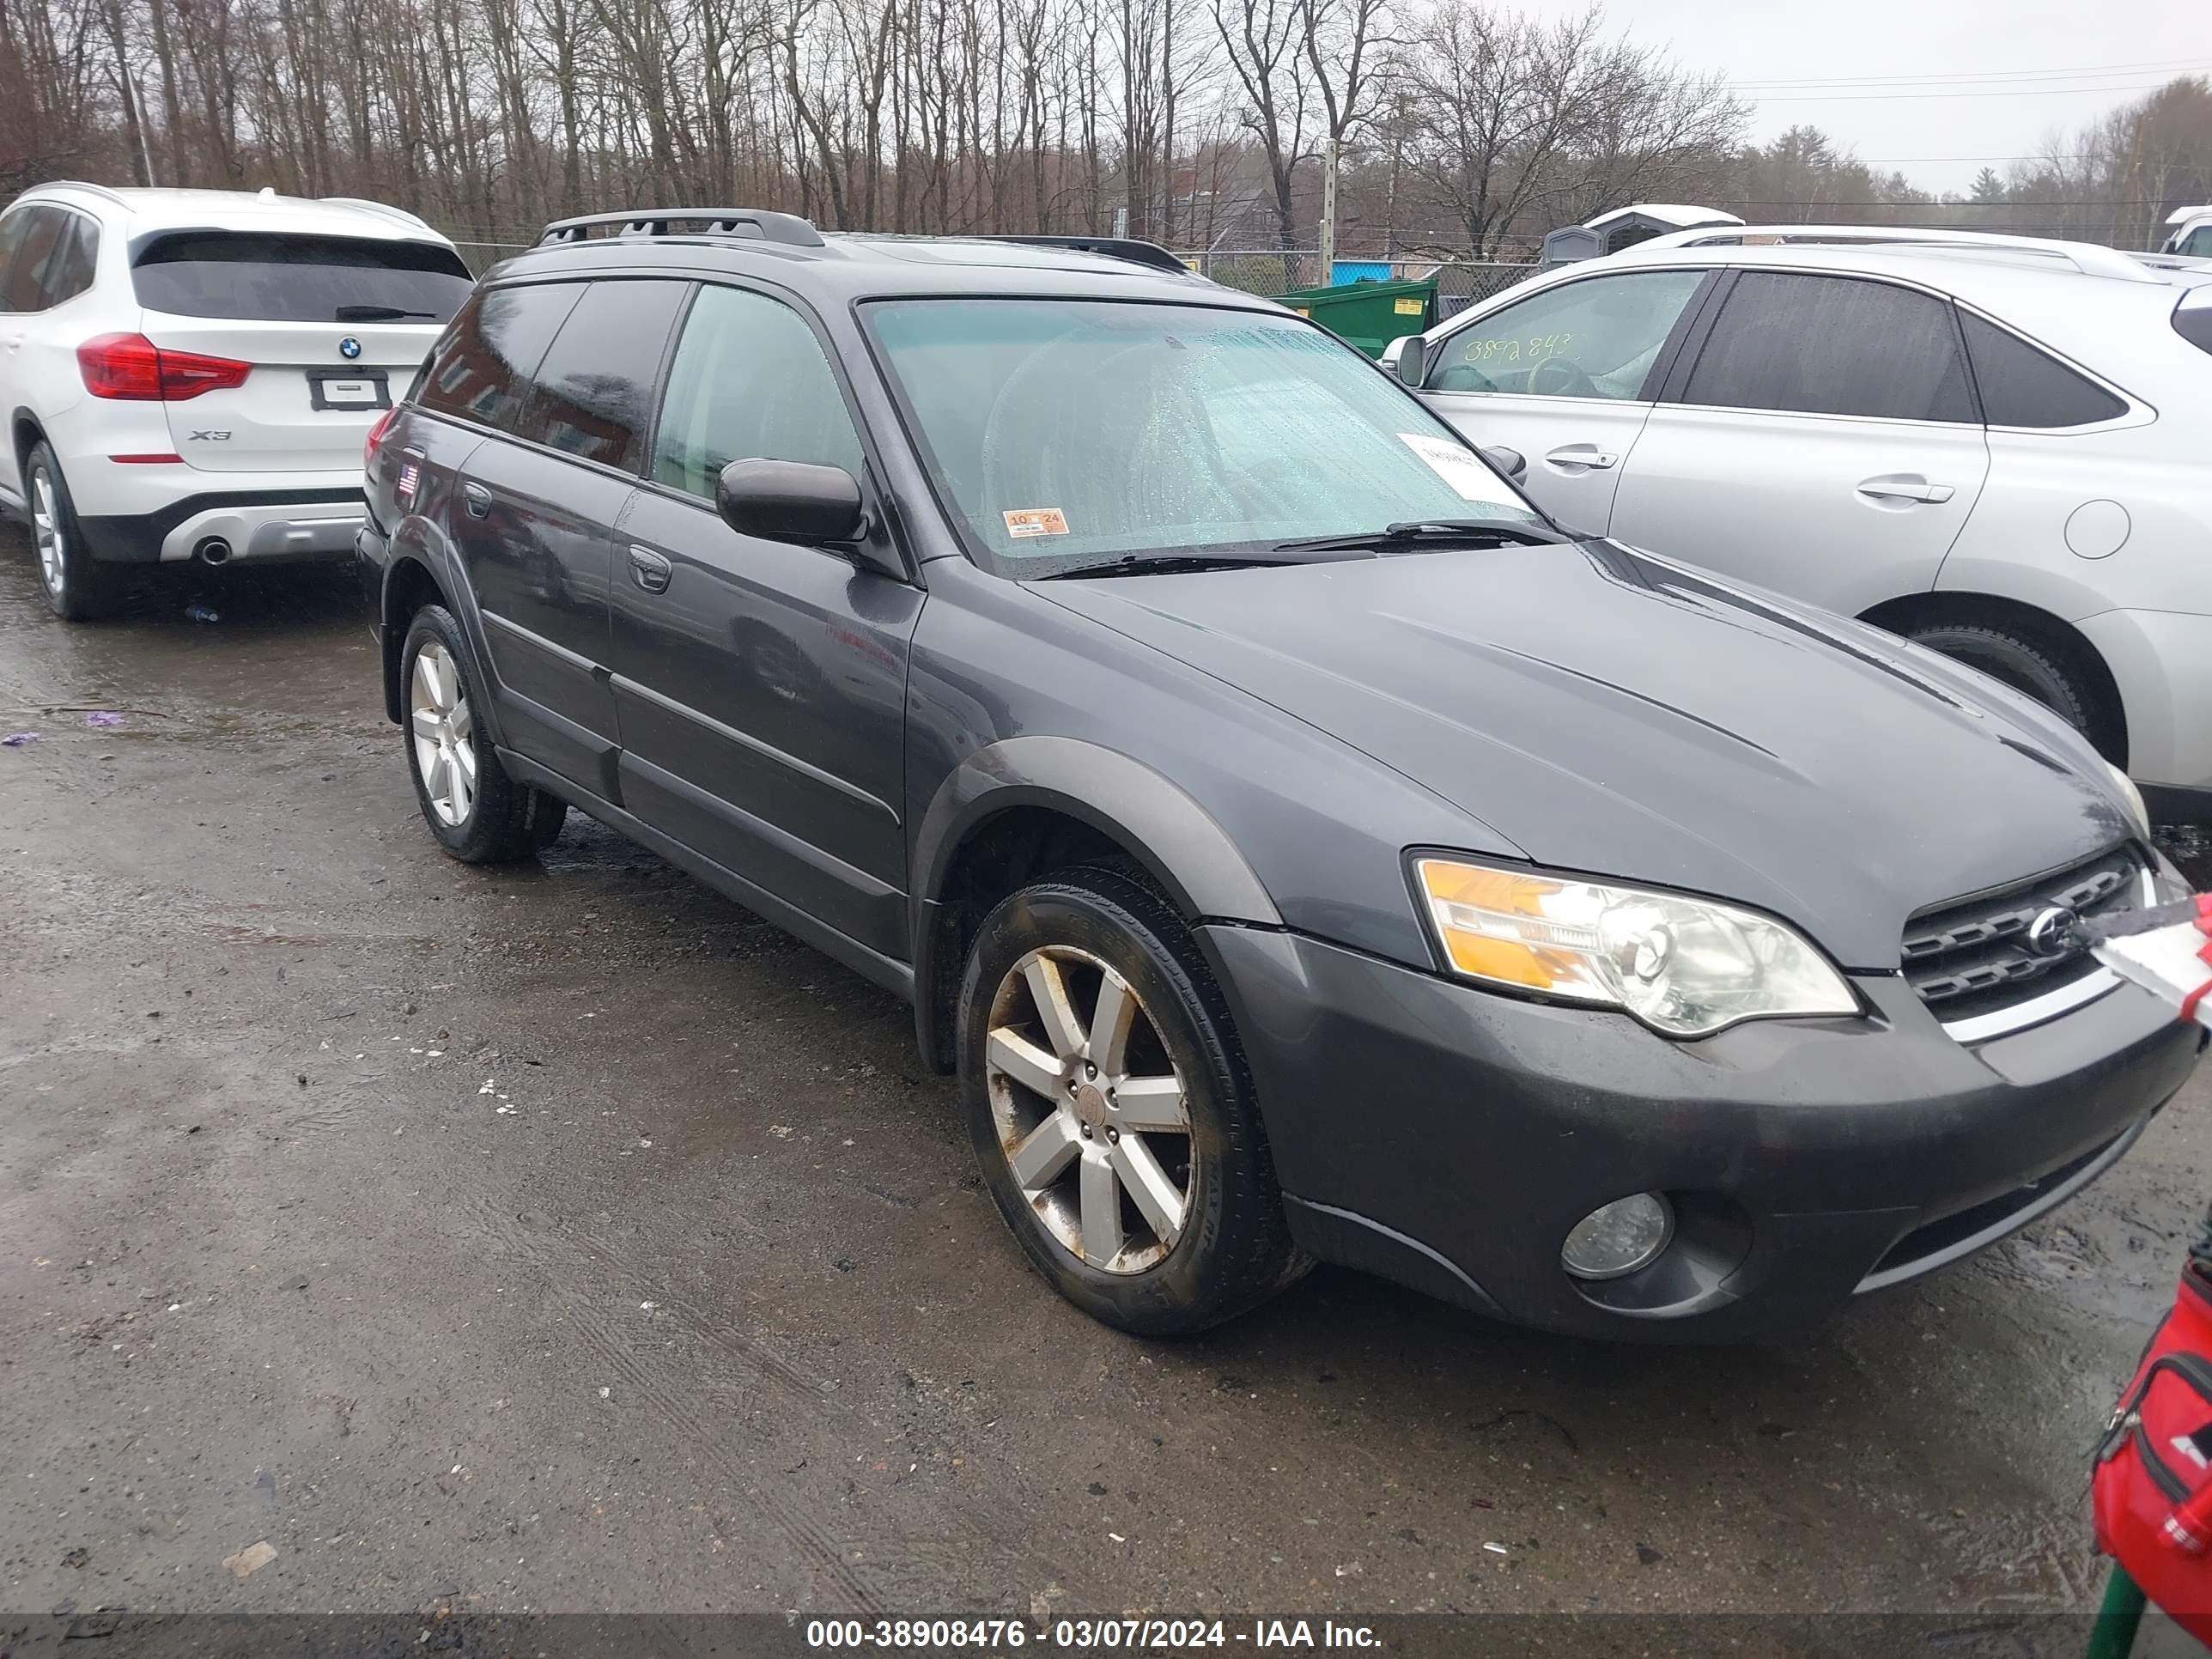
(1408, 306)
(1023, 521)
(1459, 467)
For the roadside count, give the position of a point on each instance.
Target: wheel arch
(1935, 609)
(1020, 807)
(25, 430)
(409, 585)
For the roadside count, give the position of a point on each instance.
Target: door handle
(649, 570)
(16, 340)
(476, 501)
(1581, 458)
(1905, 488)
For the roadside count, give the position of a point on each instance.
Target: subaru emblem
(348, 348)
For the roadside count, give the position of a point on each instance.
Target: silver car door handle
(1906, 489)
(1581, 458)
(649, 570)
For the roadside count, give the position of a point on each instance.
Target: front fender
(1189, 855)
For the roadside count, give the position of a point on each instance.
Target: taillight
(131, 367)
(369, 444)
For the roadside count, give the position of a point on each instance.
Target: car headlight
(2126, 785)
(1683, 966)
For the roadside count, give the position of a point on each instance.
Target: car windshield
(1071, 433)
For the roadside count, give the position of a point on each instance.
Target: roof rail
(756, 224)
(2091, 258)
(116, 196)
(1114, 247)
(385, 208)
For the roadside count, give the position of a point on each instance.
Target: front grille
(1972, 957)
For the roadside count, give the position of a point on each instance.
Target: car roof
(1999, 274)
(139, 210)
(2114, 318)
(854, 264)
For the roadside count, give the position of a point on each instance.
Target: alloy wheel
(444, 733)
(1091, 1113)
(46, 532)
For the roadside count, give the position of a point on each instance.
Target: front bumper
(1449, 1138)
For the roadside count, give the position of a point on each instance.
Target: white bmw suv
(191, 374)
(2000, 448)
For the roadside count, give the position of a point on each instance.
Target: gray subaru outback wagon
(1299, 846)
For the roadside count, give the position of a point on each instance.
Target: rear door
(761, 685)
(1823, 440)
(1565, 377)
(333, 327)
(561, 371)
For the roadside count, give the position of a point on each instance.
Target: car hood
(1607, 712)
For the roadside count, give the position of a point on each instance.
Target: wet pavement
(563, 1237)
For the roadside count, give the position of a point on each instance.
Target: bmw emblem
(348, 348)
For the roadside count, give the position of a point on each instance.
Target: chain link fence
(481, 257)
(1271, 271)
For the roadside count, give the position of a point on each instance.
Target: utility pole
(1327, 212)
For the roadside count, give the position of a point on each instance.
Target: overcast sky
(1986, 78)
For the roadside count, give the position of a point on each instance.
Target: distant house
(1609, 232)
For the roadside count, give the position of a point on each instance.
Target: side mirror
(1511, 462)
(1403, 358)
(791, 501)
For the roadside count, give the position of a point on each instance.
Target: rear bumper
(256, 525)
(1449, 1138)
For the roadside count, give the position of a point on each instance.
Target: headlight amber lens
(1687, 967)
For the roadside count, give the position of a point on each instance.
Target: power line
(1869, 97)
(2075, 72)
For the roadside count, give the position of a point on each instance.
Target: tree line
(1456, 126)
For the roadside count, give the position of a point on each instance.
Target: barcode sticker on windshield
(1461, 468)
(1023, 521)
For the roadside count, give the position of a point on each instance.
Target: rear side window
(750, 381)
(2023, 387)
(22, 284)
(2192, 318)
(482, 370)
(70, 272)
(266, 277)
(1833, 346)
(593, 396)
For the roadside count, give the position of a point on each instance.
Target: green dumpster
(1368, 315)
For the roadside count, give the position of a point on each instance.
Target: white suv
(191, 373)
(1998, 447)
(2191, 235)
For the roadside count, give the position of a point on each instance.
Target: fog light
(1619, 1237)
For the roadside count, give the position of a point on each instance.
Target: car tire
(77, 587)
(478, 813)
(2031, 666)
(1074, 1118)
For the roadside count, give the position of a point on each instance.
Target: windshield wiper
(1151, 564)
(1429, 530)
(379, 314)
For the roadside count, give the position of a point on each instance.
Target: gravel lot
(565, 1238)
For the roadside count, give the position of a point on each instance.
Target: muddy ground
(565, 1239)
